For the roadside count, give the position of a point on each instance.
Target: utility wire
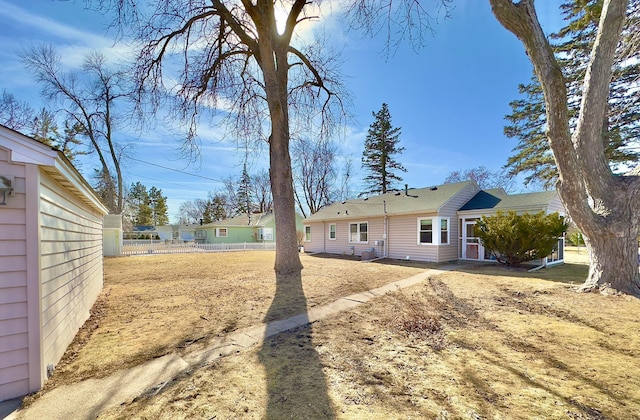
(176, 170)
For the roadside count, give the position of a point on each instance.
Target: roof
(485, 200)
(411, 201)
(242, 220)
(25, 149)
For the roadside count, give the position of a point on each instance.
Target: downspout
(324, 236)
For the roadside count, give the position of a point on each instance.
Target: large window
(221, 232)
(358, 232)
(425, 231)
(332, 231)
(307, 233)
(433, 231)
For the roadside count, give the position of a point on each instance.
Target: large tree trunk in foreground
(603, 206)
(272, 59)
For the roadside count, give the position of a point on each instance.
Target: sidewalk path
(87, 399)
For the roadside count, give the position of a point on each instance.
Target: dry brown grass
(475, 343)
(153, 305)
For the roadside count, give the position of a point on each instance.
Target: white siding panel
(14, 354)
(71, 264)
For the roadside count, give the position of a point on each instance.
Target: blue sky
(449, 98)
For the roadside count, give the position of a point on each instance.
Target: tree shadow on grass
(296, 385)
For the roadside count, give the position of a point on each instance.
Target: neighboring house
(51, 268)
(257, 227)
(425, 224)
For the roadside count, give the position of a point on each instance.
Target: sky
(449, 98)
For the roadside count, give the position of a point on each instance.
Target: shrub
(516, 238)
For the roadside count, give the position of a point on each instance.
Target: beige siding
(14, 354)
(71, 266)
(450, 209)
(403, 239)
(320, 241)
(555, 205)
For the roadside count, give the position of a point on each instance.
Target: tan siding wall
(450, 209)
(320, 241)
(71, 264)
(14, 354)
(555, 205)
(403, 239)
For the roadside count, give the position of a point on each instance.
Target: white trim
(307, 238)
(435, 230)
(335, 231)
(359, 232)
(219, 232)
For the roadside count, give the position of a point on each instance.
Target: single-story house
(255, 227)
(424, 224)
(51, 268)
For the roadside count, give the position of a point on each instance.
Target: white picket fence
(143, 247)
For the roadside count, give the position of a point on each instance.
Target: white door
(472, 249)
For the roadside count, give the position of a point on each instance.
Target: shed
(51, 269)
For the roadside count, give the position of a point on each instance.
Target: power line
(167, 182)
(178, 171)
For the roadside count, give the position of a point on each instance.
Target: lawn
(478, 342)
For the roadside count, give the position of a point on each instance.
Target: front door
(472, 249)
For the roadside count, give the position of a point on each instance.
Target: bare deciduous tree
(90, 100)
(603, 206)
(15, 114)
(314, 174)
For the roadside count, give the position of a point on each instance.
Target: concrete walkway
(87, 399)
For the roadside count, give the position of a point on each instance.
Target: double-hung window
(221, 232)
(332, 231)
(358, 232)
(425, 233)
(307, 233)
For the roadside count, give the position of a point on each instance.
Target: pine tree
(378, 156)
(158, 205)
(139, 203)
(45, 128)
(527, 122)
(244, 196)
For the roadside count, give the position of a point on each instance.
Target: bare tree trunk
(603, 206)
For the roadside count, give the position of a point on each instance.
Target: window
(307, 233)
(201, 234)
(444, 231)
(332, 231)
(358, 232)
(425, 232)
(221, 232)
(433, 231)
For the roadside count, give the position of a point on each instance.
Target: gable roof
(25, 149)
(411, 201)
(490, 200)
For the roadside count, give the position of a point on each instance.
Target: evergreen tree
(516, 238)
(139, 204)
(378, 156)
(158, 205)
(45, 129)
(244, 196)
(573, 43)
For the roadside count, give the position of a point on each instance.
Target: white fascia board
(23, 149)
(79, 183)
